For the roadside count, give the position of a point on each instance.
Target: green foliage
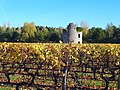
(96, 35)
(110, 30)
(28, 32)
(54, 37)
(31, 33)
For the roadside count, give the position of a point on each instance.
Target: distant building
(71, 35)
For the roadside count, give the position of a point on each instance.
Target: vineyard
(49, 66)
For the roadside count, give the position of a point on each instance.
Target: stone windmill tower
(71, 35)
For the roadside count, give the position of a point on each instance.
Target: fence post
(119, 79)
(64, 85)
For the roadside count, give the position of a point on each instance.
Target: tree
(79, 29)
(45, 34)
(54, 37)
(96, 35)
(85, 28)
(28, 32)
(8, 34)
(110, 30)
(116, 36)
(16, 34)
(5, 33)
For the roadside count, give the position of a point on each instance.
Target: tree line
(29, 32)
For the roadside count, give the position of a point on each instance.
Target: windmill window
(78, 35)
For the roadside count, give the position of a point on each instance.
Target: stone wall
(71, 35)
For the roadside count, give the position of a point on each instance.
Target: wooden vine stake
(119, 78)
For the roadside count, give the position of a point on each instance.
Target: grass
(7, 88)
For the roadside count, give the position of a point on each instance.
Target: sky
(59, 13)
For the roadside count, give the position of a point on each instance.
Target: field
(50, 66)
